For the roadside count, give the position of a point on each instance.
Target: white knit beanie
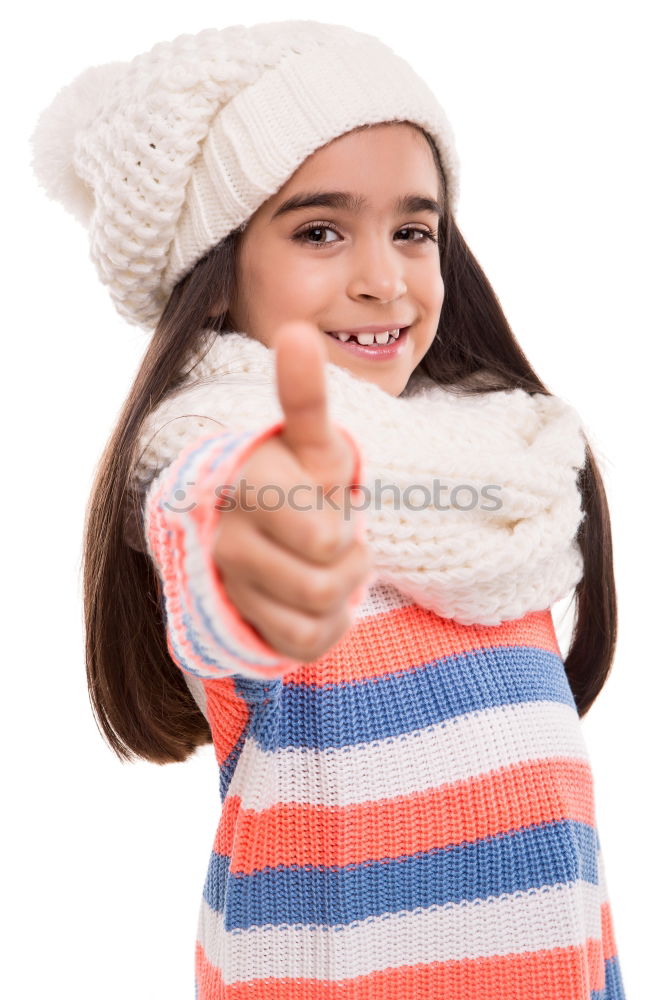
(163, 156)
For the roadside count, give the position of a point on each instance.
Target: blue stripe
(190, 466)
(536, 856)
(215, 662)
(187, 472)
(226, 770)
(257, 693)
(614, 988)
(359, 711)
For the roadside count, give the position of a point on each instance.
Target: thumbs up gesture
(290, 571)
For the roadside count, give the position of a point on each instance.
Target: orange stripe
(534, 792)
(209, 978)
(227, 713)
(179, 598)
(231, 622)
(372, 640)
(375, 645)
(607, 932)
(556, 974)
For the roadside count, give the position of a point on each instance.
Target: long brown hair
(137, 692)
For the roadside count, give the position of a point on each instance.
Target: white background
(558, 115)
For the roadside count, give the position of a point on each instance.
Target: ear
(218, 310)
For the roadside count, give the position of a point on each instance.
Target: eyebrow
(349, 202)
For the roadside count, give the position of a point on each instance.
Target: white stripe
(198, 692)
(603, 884)
(197, 581)
(381, 598)
(552, 917)
(454, 750)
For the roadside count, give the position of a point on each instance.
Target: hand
(290, 572)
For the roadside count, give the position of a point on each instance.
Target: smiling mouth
(352, 338)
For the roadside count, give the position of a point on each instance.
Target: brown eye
(302, 237)
(314, 228)
(427, 234)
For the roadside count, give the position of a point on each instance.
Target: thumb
(321, 450)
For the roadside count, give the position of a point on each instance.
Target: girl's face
(343, 264)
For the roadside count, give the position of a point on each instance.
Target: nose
(376, 271)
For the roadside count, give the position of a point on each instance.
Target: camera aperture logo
(180, 496)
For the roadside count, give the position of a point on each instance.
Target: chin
(391, 386)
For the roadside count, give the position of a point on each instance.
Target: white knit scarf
(467, 563)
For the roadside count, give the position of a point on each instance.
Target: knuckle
(234, 592)
(323, 589)
(367, 559)
(343, 624)
(346, 619)
(320, 535)
(305, 636)
(328, 540)
(313, 639)
(226, 550)
(306, 532)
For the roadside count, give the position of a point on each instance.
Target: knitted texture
(163, 156)
(469, 563)
(411, 814)
(206, 636)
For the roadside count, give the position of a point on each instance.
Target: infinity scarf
(479, 561)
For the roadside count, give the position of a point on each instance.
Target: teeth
(370, 338)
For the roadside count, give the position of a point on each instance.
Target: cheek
(285, 279)
(437, 290)
(426, 285)
(310, 281)
(266, 288)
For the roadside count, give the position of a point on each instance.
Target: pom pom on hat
(53, 139)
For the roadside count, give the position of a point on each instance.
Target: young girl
(331, 554)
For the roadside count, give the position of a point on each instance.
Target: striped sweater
(412, 814)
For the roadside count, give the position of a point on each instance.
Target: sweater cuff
(206, 635)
